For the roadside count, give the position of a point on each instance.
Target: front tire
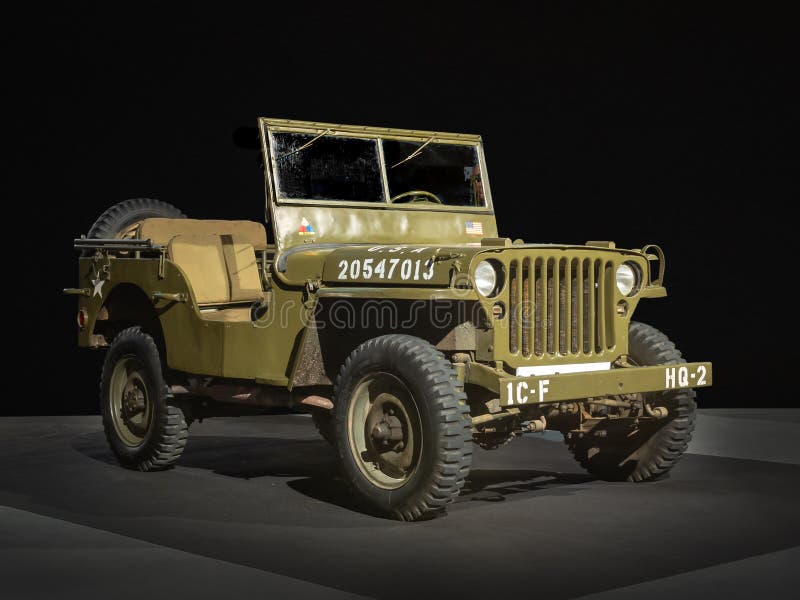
(402, 424)
(144, 431)
(653, 449)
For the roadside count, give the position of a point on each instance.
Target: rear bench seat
(219, 260)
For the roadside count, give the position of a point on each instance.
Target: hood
(381, 264)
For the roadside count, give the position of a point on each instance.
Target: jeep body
(374, 232)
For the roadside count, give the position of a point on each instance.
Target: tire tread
(170, 429)
(667, 445)
(454, 446)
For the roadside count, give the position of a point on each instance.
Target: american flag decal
(474, 228)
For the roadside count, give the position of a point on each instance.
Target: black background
(653, 122)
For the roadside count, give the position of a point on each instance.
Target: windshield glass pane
(327, 168)
(447, 173)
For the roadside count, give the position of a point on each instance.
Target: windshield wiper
(414, 154)
(304, 146)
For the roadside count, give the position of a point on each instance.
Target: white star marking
(98, 286)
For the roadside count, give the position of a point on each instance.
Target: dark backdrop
(657, 122)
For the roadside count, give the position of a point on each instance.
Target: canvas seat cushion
(203, 262)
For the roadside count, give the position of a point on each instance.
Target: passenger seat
(221, 271)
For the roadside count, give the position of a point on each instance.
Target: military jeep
(383, 302)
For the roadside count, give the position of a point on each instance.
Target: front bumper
(516, 391)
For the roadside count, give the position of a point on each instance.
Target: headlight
(627, 279)
(485, 278)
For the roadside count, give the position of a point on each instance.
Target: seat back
(243, 275)
(161, 231)
(221, 269)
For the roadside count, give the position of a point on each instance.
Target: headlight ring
(628, 278)
(488, 278)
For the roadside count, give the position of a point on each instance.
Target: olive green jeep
(384, 303)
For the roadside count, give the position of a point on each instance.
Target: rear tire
(403, 429)
(653, 449)
(145, 432)
(323, 421)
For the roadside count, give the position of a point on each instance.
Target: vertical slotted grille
(574, 311)
(513, 306)
(560, 306)
(588, 305)
(538, 338)
(550, 308)
(563, 278)
(526, 307)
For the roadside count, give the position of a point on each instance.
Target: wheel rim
(128, 232)
(130, 405)
(384, 430)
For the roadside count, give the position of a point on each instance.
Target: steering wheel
(417, 196)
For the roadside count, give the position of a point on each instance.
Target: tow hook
(658, 412)
(535, 426)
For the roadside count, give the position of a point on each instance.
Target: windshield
(330, 167)
(448, 173)
(314, 167)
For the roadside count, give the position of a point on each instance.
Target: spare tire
(119, 220)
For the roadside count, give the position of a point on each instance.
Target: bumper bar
(515, 391)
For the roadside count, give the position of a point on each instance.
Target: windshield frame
(270, 126)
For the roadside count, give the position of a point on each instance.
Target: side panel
(192, 345)
(263, 350)
(245, 350)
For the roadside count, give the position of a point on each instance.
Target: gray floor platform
(257, 507)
